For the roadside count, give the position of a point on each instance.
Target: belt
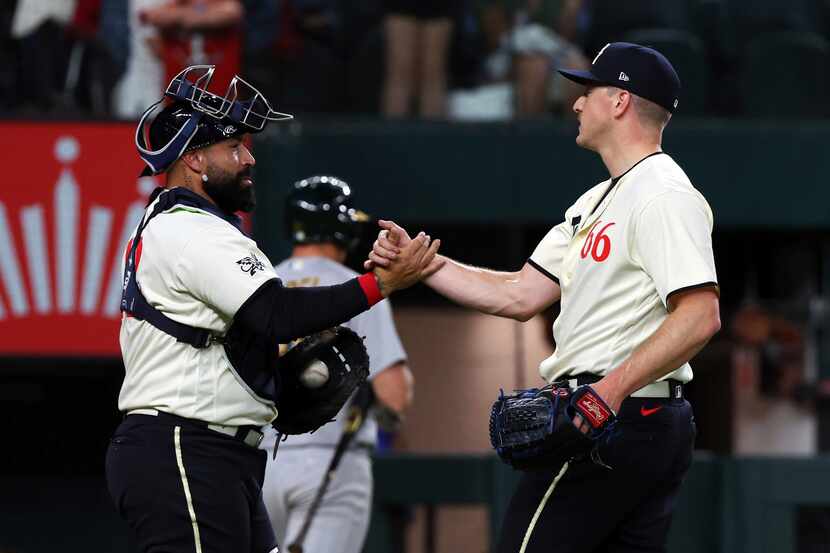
(355, 447)
(248, 435)
(663, 389)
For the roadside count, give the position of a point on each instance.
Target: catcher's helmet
(319, 209)
(190, 117)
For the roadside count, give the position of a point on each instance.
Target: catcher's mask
(319, 209)
(189, 117)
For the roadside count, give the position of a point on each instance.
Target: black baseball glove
(303, 408)
(532, 429)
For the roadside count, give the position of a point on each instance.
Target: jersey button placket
(572, 257)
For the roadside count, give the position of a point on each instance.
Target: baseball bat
(354, 420)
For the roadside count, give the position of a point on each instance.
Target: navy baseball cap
(638, 69)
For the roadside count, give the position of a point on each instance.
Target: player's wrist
(611, 391)
(373, 287)
(434, 268)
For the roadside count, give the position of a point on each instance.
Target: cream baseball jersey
(375, 325)
(197, 269)
(625, 246)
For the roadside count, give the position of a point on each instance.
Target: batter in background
(324, 227)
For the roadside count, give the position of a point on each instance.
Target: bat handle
(295, 548)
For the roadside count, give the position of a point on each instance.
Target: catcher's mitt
(305, 409)
(532, 429)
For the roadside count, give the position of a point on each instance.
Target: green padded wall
(754, 174)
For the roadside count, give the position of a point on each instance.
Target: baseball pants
(342, 519)
(622, 502)
(183, 488)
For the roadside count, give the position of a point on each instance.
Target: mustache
(244, 173)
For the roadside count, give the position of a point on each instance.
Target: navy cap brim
(147, 172)
(581, 77)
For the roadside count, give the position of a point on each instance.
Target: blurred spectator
(772, 415)
(97, 45)
(30, 15)
(525, 41)
(537, 42)
(114, 31)
(417, 34)
(59, 59)
(778, 345)
(144, 76)
(38, 28)
(197, 32)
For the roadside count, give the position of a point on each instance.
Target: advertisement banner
(70, 200)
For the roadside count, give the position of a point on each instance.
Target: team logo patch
(251, 264)
(229, 130)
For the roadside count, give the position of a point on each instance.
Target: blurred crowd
(456, 59)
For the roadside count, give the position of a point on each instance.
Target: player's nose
(247, 157)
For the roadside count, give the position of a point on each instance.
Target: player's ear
(195, 161)
(622, 101)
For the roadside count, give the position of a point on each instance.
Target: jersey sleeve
(673, 243)
(548, 255)
(382, 340)
(223, 268)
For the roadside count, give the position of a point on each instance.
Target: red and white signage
(70, 200)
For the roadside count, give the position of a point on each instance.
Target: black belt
(248, 435)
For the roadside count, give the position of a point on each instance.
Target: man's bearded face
(230, 191)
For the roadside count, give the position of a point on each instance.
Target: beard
(228, 191)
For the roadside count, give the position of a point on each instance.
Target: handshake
(399, 261)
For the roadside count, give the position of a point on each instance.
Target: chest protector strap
(133, 302)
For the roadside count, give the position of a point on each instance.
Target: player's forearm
(393, 387)
(681, 336)
(491, 292)
(283, 314)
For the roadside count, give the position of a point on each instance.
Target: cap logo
(623, 76)
(675, 103)
(229, 130)
(600, 53)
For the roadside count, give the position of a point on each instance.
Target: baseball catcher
(304, 405)
(533, 429)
